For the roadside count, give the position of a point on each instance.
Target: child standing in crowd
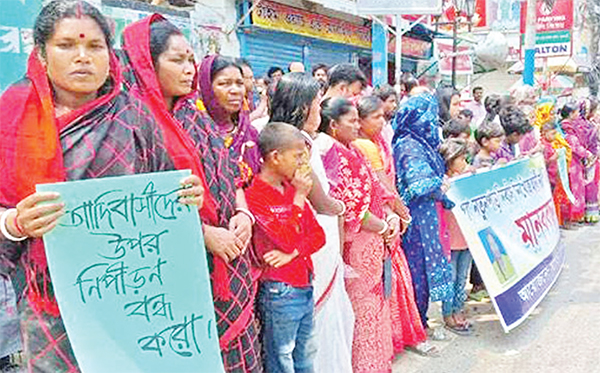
(454, 152)
(515, 124)
(457, 129)
(286, 234)
(465, 116)
(489, 137)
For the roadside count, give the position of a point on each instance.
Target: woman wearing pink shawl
(587, 132)
(570, 115)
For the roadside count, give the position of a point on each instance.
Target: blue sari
(419, 174)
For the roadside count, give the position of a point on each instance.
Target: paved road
(562, 335)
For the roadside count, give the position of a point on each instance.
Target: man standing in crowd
(345, 80)
(275, 73)
(319, 72)
(477, 108)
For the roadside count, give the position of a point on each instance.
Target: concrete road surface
(562, 335)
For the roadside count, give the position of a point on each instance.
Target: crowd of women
(379, 181)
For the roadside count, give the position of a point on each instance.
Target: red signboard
(412, 47)
(551, 16)
(480, 17)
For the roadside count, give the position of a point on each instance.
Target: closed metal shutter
(329, 53)
(264, 49)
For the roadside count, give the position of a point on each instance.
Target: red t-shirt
(281, 225)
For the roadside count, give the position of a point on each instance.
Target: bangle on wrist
(391, 217)
(4, 229)
(343, 212)
(407, 221)
(385, 228)
(246, 212)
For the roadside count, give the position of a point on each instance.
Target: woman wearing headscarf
(449, 104)
(69, 121)
(222, 92)
(420, 181)
(163, 75)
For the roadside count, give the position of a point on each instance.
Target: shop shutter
(264, 49)
(329, 53)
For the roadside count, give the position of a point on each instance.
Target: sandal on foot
(462, 330)
(425, 349)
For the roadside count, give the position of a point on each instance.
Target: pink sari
(576, 172)
(353, 182)
(407, 326)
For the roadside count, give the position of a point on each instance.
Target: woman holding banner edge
(163, 75)
(71, 121)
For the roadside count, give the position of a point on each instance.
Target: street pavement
(561, 335)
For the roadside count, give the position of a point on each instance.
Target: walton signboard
(554, 23)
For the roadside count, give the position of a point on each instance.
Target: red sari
(407, 326)
(112, 135)
(204, 152)
(353, 182)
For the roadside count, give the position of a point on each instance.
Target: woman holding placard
(69, 120)
(163, 75)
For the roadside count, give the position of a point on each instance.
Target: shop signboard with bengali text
(278, 17)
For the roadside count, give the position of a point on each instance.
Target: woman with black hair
(163, 75)
(69, 120)
(297, 101)
(369, 223)
(449, 104)
(575, 213)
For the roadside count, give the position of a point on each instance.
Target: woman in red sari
(408, 329)
(369, 224)
(70, 121)
(163, 74)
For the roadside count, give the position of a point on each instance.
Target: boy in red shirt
(285, 235)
